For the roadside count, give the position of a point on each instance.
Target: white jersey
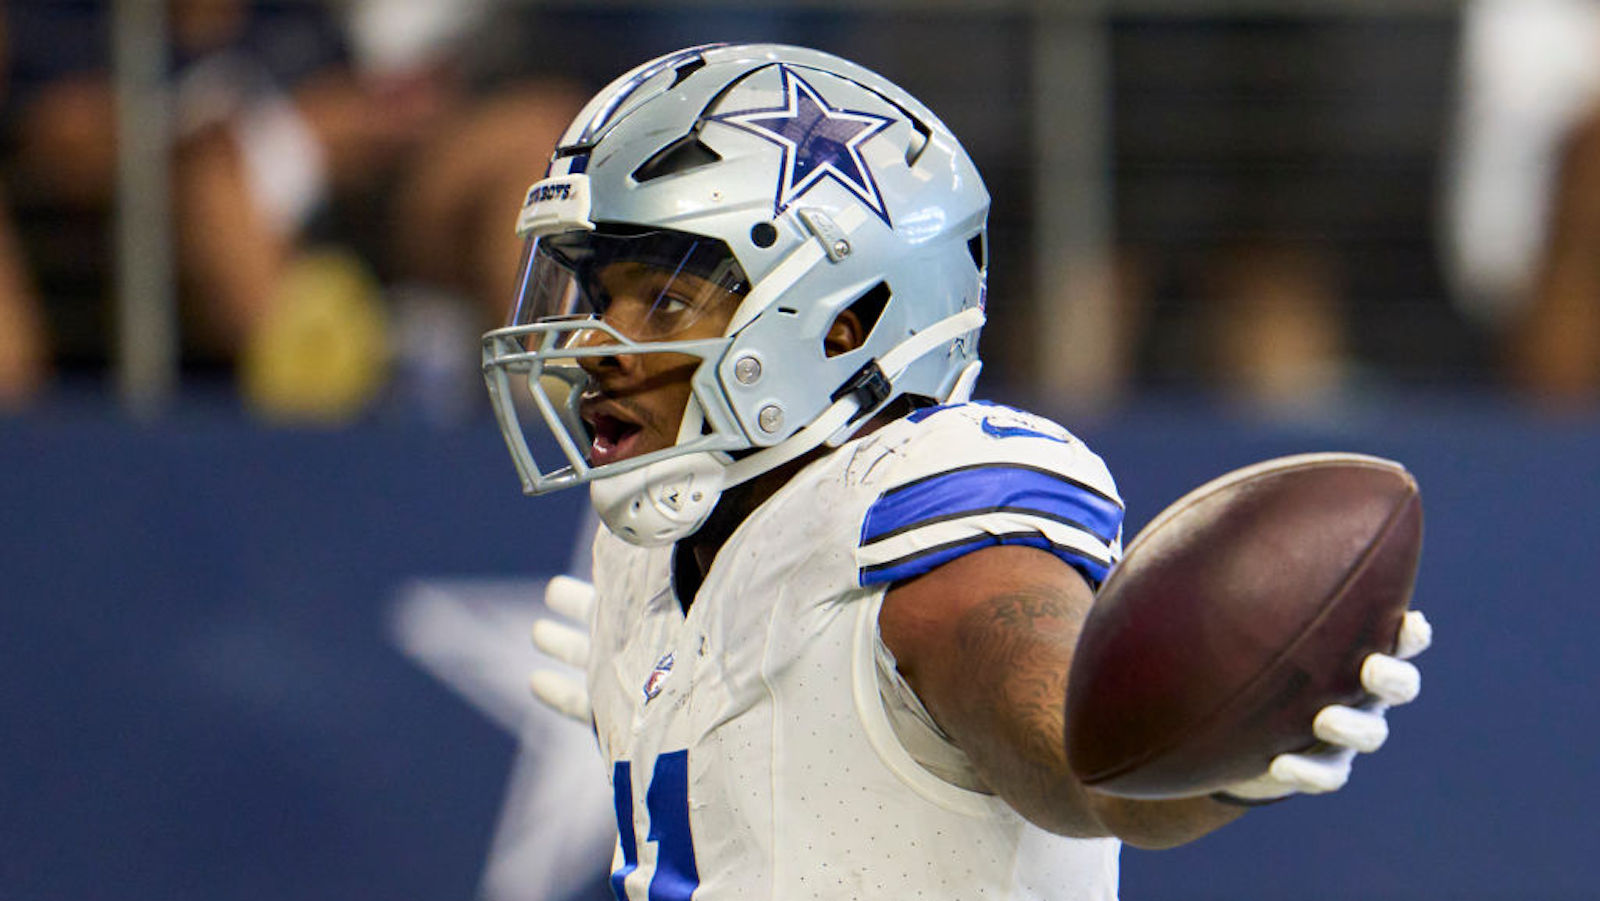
(761, 746)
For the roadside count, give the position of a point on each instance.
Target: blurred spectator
(1524, 204)
(237, 135)
(24, 354)
(23, 342)
(1555, 342)
(1529, 69)
(1274, 182)
(321, 152)
(1273, 331)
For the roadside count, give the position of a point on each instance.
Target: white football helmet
(794, 184)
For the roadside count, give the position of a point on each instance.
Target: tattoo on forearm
(1016, 649)
(1018, 646)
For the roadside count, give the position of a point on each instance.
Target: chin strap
(832, 427)
(660, 503)
(668, 500)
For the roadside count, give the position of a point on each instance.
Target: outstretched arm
(986, 642)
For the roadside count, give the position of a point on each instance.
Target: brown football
(1238, 613)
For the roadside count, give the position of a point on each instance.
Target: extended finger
(1361, 730)
(1312, 774)
(563, 642)
(563, 694)
(1393, 680)
(1416, 633)
(572, 598)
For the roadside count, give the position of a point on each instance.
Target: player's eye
(670, 306)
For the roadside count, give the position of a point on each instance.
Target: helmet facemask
(588, 299)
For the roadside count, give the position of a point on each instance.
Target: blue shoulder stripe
(984, 487)
(922, 413)
(1094, 569)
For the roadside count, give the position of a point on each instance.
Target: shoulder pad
(970, 476)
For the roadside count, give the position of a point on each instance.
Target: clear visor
(656, 285)
(587, 297)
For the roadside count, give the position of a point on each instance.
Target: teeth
(607, 433)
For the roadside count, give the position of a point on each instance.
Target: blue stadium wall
(201, 699)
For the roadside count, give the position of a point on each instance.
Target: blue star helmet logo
(819, 141)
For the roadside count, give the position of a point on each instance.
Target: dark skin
(986, 642)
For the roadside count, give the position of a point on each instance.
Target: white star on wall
(557, 826)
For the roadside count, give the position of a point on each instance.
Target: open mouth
(611, 438)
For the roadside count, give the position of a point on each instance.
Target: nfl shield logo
(652, 685)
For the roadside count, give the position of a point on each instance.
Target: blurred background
(265, 574)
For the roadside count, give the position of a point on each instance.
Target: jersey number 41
(667, 804)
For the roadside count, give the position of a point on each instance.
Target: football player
(834, 600)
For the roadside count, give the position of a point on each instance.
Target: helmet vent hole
(685, 70)
(976, 248)
(763, 234)
(680, 156)
(869, 308)
(920, 135)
